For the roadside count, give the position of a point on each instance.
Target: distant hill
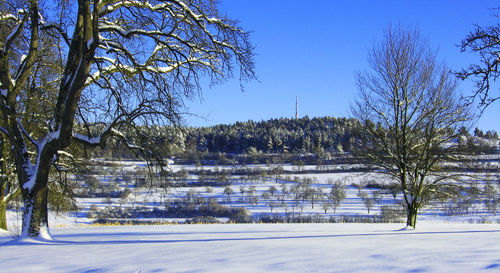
(319, 136)
(326, 134)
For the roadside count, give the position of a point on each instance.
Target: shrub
(392, 213)
(240, 215)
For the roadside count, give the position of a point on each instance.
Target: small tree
(272, 190)
(326, 204)
(367, 200)
(266, 197)
(252, 198)
(314, 195)
(412, 114)
(276, 172)
(338, 194)
(242, 192)
(491, 198)
(193, 198)
(228, 191)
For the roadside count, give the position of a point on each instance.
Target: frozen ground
(259, 248)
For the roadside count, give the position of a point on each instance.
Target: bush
(203, 220)
(240, 215)
(392, 213)
(318, 218)
(176, 209)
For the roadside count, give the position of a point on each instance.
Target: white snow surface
(259, 248)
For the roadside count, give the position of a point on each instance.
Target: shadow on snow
(119, 241)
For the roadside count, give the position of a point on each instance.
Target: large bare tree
(118, 65)
(411, 110)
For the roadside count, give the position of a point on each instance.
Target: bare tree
(228, 191)
(338, 193)
(411, 111)
(485, 41)
(491, 197)
(126, 65)
(367, 200)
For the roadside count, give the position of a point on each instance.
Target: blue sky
(312, 49)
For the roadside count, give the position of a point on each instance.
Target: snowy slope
(259, 248)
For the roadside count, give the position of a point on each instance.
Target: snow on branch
(116, 67)
(15, 30)
(11, 195)
(93, 141)
(64, 153)
(8, 17)
(186, 36)
(107, 132)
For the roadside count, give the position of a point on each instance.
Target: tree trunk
(35, 214)
(3, 213)
(412, 211)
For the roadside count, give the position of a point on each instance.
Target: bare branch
(485, 42)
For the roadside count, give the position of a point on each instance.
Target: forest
(284, 140)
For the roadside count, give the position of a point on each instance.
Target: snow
(259, 248)
(23, 57)
(45, 233)
(7, 16)
(64, 153)
(42, 20)
(440, 243)
(90, 140)
(33, 170)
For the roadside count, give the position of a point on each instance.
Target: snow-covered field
(441, 242)
(351, 206)
(259, 248)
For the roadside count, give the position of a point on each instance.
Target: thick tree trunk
(411, 220)
(35, 215)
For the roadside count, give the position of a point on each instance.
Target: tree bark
(35, 212)
(3, 215)
(411, 220)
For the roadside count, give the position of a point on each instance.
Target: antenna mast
(296, 107)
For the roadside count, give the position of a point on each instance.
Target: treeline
(320, 136)
(304, 135)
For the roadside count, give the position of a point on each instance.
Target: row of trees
(292, 195)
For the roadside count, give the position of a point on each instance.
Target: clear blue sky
(312, 49)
